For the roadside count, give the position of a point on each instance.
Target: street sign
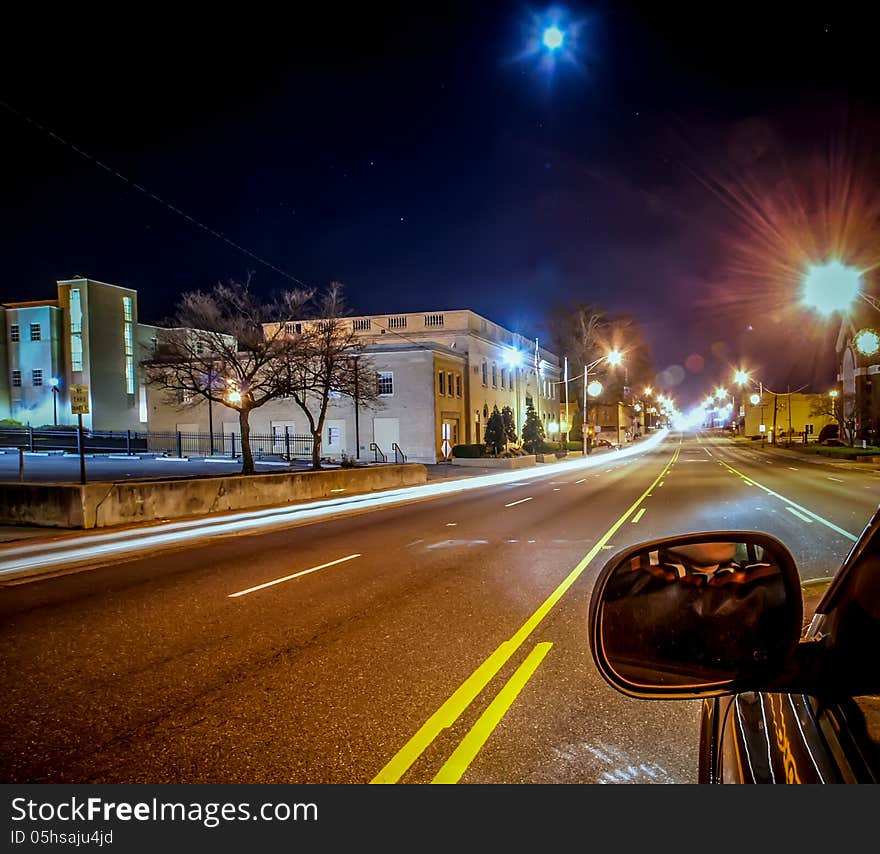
(79, 400)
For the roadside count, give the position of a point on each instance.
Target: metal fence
(172, 443)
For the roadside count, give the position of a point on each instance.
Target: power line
(213, 232)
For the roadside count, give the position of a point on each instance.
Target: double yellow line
(472, 687)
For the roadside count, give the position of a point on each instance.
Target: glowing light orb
(831, 287)
(755, 399)
(867, 342)
(594, 389)
(615, 357)
(553, 38)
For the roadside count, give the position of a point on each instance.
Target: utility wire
(213, 232)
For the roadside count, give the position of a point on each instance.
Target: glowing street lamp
(832, 287)
(233, 396)
(594, 389)
(54, 383)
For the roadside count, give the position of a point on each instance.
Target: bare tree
(229, 346)
(327, 362)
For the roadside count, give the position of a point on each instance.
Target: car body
(788, 672)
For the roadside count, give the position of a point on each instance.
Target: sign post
(79, 406)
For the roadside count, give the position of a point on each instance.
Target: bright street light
(593, 389)
(832, 287)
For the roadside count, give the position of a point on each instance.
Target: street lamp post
(613, 358)
(53, 382)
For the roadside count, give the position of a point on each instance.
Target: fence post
(30, 438)
(232, 438)
(179, 445)
(21, 464)
(128, 442)
(287, 442)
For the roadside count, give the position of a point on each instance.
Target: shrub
(347, 462)
(468, 451)
(829, 431)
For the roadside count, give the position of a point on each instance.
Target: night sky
(676, 166)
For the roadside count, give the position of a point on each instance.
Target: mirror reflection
(693, 613)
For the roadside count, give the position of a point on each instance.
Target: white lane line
(800, 515)
(289, 577)
(837, 479)
(514, 503)
(638, 515)
(451, 524)
(556, 489)
(793, 468)
(581, 480)
(815, 516)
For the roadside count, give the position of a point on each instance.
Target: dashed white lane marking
(801, 516)
(289, 577)
(522, 500)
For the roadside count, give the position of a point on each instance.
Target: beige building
(86, 335)
(785, 414)
(439, 376)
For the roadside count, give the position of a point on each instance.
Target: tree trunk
(247, 458)
(316, 450)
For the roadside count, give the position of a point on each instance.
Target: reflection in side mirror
(696, 615)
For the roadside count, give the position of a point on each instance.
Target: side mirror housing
(697, 615)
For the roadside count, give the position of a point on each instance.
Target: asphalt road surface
(442, 639)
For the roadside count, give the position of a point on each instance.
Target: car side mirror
(696, 615)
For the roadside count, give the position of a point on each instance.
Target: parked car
(788, 672)
(604, 443)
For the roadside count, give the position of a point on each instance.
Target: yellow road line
(468, 691)
(638, 515)
(472, 743)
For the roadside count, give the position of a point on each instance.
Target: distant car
(834, 443)
(787, 671)
(603, 443)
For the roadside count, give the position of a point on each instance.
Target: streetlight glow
(741, 377)
(234, 396)
(594, 389)
(615, 357)
(831, 287)
(755, 399)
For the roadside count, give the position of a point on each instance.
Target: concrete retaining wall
(105, 504)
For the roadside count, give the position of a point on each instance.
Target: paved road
(376, 644)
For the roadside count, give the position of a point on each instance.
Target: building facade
(87, 335)
(439, 376)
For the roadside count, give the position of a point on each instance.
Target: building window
(15, 332)
(433, 320)
(334, 435)
(397, 322)
(362, 324)
(76, 353)
(385, 382)
(449, 384)
(293, 328)
(184, 396)
(200, 347)
(503, 383)
(16, 379)
(75, 311)
(510, 379)
(458, 385)
(128, 344)
(441, 383)
(76, 357)
(485, 374)
(494, 376)
(37, 376)
(485, 410)
(36, 332)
